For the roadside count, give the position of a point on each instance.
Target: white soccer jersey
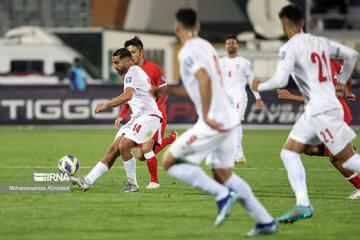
(198, 53)
(142, 103)
(237, 73)
(306, 57)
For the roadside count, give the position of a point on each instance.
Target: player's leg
(192, 147)
(165, 141)
(100, 168)
(129, 161)
(338, 136)
(221, 162)
(290, 155)
(140, 132)
(265, 223)
(352, 162)
(302, 135)
(152, 163)
(351, 176)
(349, 158)
(239, 152)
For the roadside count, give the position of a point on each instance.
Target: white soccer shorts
(200, 142)
(140, 129)
(328, 127)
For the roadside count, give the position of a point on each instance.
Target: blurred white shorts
(328, 127)
(200, 142)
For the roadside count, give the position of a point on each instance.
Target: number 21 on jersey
(315, 58)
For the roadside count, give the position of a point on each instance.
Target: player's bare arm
(285, 94)
(349, 95)
(255, 84)
(340, 89)
(118, 122)
(121, 99)
(205, 92)
(178, 91)
(259, 103)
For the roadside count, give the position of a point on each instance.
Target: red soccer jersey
(157, 80)
(335, 69)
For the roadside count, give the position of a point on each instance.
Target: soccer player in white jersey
(212, 136)
(307, 59)
(237, 73)
(145, 121)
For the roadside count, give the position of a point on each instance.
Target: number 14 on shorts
(136, 128)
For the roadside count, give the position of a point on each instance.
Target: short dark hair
(187, 17)
(77, 59)
(291, 12)
(135, 41)
(230, 36)
(122, 53)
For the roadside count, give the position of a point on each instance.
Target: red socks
(151, 162)
(355, 181)
(152, 166)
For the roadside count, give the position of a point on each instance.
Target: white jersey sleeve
(286, 63)
(337, 50)
(192, 62)
(130, 79)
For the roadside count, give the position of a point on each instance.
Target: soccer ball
(69, 165)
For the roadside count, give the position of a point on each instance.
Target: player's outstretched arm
(124, 109)
(123, 98)
(178, 91)
(285, 94)
(206, 94)
(279, 80)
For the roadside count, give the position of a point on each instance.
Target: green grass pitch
(176, 210)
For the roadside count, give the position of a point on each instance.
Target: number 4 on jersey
(316, 58)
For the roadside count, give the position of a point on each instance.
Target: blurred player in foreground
(158, 142)
(237, 73)
(145, 121)
(212, 136)
(306, 57)
(321, 150)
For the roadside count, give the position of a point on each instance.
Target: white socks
(96, 172)
(130, 169)
(248, 200)
(196, 177)
(238, 138)
(353, 163)
(296, 175)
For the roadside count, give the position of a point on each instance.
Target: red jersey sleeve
(160, 82)
(159, 77)
(124, 110)
(338, 67)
